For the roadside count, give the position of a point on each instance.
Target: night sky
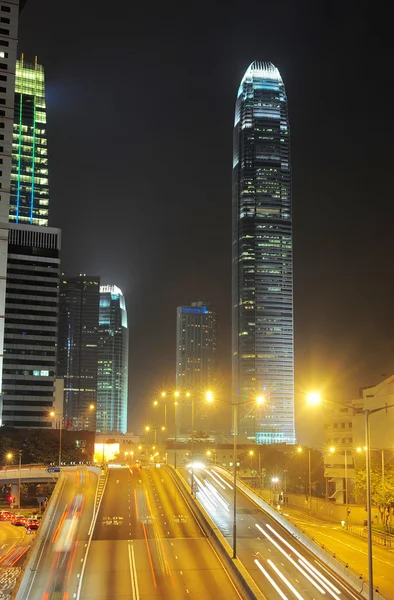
(140, 112)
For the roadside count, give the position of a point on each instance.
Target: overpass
(29, 474)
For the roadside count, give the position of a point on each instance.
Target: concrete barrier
(342, 570)
(240, 577)
(26, 577)
(36, 549)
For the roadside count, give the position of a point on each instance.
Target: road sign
(53, 469)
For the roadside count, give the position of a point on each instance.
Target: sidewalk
(348, 548)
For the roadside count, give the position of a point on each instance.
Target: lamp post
(19, 478)
(314, 398)
(300, 450)
(259, 400)
(53, 415)
(209, 453)
(176, 394)
(104, 411)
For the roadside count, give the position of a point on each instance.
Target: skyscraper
(113, 361)
(195, 355)
(31, 322)
(9, 12)
(78, 348)
(263, 345)
(29, 178)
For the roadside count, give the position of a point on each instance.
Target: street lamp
(300, 450)
(53, 415)
(209, 453)
(259, 400)
(104, 411)
(315, 398)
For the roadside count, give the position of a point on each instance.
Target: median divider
(355, 582)
(26, 577)
(240, 577)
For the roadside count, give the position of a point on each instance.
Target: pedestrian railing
(377, 538)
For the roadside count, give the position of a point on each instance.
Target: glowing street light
(209, 396)
(313, 398)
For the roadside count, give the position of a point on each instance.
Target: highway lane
(13, 544)
(147, 544)
(59, 567)
(279, 564)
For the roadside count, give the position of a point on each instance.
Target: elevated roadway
(281, 566)
(146, 544)
(57, 568)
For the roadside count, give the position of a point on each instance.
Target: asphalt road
(59, 567)
(348, 548)
(147, 544)
(13, 544)
(281, 567)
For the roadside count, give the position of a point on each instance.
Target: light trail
(72, 563)
(285, 581)
(149, 555)
(216, 494)
(213, 477)
(272, 582)
(293, 562)
(159, 538)
(222, 479)
(303, 559)
(319, 577)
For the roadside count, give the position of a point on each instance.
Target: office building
(195, 358)
(263, 344)
(31, 317)
(195, 346)
(78, 347)
(113, 361)
(338, 452)
(9, 13)
(29, 177)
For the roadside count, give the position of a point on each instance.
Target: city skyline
(262, 294)
(342, 324)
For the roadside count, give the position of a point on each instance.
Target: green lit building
(29, 198)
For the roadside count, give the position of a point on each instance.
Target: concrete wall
(322, 509)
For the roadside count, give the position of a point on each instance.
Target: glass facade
(113, 361)
(263, 342)
(78, 348)
(195, 359)
(29, 198)
(31, 325)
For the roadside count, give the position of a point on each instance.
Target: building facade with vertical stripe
(29, 202)
(9, 15)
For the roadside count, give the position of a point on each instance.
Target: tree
(382, 492)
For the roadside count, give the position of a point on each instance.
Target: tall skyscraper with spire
(263, 341)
